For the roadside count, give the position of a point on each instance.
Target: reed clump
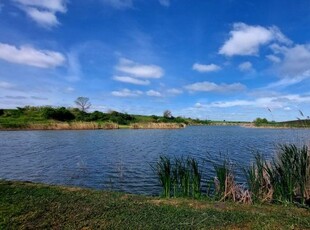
(285, 178)
(179, 177)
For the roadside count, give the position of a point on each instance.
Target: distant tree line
(81, 114)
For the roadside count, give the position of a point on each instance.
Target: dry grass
(72, 126)
(157, 125)
(233, 191)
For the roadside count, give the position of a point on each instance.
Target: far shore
(91, 126)
(114, 126)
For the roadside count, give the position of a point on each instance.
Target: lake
(120, 160)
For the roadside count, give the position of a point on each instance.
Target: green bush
(260, 121)
(59, 114)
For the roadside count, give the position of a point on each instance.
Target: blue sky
(211, 59)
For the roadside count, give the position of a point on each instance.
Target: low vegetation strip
(36, 206)
(50, 118)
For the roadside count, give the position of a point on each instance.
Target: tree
(259, 121)
(167, 114)
(83, 103)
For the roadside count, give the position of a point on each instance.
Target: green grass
(28, 117)
(37, 206)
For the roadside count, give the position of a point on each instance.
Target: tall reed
(258, 180)
(163, 169)
(290, 172)
(182, 176)
(221, 173)
(286, 178)
(196, 178)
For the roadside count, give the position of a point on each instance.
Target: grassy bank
(28, 206)
(49, 118)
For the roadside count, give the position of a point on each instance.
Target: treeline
(63, 114)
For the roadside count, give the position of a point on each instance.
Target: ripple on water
(121, 159)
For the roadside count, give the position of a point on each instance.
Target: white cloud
(119, 4)
(44, 18)
(296, 60)
(206, 68)
(127, 93)
(6, 85)
(165, 3)
(287, 108)
(273, 102)
(139, 70)
(246, 40)
(273, 58)
(69, 89)
(52, 5)
(43, 12)
(246, 67)
(174, 91)
(30, 56)
(131, 80)
(153, 93)
(199, 105)
(213, 87)
(287, 81)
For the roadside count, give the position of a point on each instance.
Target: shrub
(260, 121)
(60, 114)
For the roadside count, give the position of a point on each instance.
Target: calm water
(120, 159)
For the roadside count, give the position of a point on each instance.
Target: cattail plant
(258, 180)
(163, 169)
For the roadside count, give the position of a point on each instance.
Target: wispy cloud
(288, 81)
(273, 102)
(74, 66)
(273, 58)
(165, 3)
(28, 55)
(6, 85)
(296, 59)
(119, 4)
(127, 93)
(290, 63)
(213, 87)
(246, 40)
(139, 70)
(206, 68)
(246, 67)
(153, 93)
(174, 91)
(131, 80)
(16, 97)
(43, 12)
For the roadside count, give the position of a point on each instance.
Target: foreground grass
(28, 206)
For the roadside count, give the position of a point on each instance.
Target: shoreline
(114, 126)
(92, 126)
